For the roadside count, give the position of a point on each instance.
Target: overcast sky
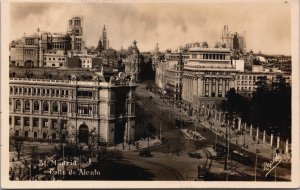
(267, 26)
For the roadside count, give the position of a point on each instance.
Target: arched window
(64, 107)
(27, 105)
(36, 105)
(55, 107)
(45, 106)
(18, 104)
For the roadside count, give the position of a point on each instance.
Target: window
(53, 65)
(64, 107)
(29, 90)
(18, 104)
(67, 92)
(238, 82)
(26, 121)
(55, 107)
(45, 123)
(44, 135)
(61, 64)
(39, 91)
(11, 90)
(84, 109)
(45, 106)
(213, 88)
(17, 133)
(35, 122)
(35, 135)
(49, 58)
(27, 105)
(63, 92)
(84, 94)
(10, 120)
(36, 105)
(34, 90)
(17, 120)
(26, 134)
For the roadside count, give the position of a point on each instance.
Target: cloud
(267, 25)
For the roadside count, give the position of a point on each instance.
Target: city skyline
(266, 24)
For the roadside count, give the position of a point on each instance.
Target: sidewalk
(251, 145)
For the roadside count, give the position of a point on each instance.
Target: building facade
(233, 40)
(52, 109)
(132, 62)
(207, 76)
(31, 50)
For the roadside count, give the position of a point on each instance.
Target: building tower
(75, 30)
(104, 39)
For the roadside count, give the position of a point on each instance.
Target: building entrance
(83, 135)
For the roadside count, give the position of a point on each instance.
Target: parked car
(145, 153)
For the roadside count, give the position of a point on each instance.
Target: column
(209, 88)
(223, 88)
(13, 124)
(40, 107)
(257, 132)
(217, 87)
(239, 123)
(271, 140)
(200, 86)
(278, 141)
(287, 146)
(30, 126)
(251, 130)
(195, 87)
(264, 136)
(13, 105)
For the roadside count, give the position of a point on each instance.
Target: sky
(267, 25)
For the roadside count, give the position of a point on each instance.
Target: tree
(17, 143)
(204, 44)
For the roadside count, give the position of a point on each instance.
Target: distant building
(232, 41)
(36, 49)
(103, 43)
(207, 76)
(132, 62)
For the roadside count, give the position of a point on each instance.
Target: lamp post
(255, 169)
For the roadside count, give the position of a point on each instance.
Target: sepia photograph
(188, 93)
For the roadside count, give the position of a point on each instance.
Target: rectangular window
(26, 121)
(17, 120)
(194, 56)
(10, 120)
(35, 122)
(45, 123)
(84, 94)
(213, 88)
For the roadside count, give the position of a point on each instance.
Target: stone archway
(83, 134)
(29, 63)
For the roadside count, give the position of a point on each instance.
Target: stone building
(69, 102)
(233, 40)
(132, 62)
(207, 76)
(31, 50)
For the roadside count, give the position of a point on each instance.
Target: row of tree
(269, 108)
